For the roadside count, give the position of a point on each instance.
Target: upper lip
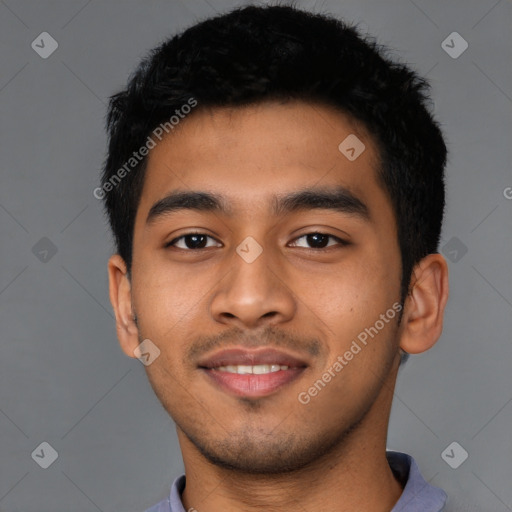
(239, 356)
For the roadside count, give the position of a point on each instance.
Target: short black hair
(279, 52)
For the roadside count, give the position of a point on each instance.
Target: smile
(254, 373)
(252, 381)
(259, 369)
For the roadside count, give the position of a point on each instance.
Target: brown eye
(318, 240)
(191, 241)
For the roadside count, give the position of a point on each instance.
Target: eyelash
(339, 240)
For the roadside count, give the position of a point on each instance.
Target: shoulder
(162, 506)
(417, 495)
(173, 501)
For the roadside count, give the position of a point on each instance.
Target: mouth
(252, 373)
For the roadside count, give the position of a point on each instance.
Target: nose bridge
(252, 289)
(251, 274)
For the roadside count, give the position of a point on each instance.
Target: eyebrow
(338, 199)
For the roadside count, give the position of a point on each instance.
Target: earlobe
(422, 322)
(120, 298)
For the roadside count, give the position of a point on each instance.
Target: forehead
(252, 153)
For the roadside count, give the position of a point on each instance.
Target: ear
(422, 321)
(121, 300)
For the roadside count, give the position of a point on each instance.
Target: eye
(196, 241)
(191, 241)
(318, 240)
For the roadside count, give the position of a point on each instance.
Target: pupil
(317, 239)
(195, 244)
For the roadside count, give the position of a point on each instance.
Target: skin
(273, 452)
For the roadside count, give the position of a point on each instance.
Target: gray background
(63, 378)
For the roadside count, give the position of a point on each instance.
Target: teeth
(257, 369)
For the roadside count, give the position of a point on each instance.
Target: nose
(253, 293)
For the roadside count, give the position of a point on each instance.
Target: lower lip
(252, 385)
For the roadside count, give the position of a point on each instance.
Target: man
(274, 183)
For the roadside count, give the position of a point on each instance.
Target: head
(307, 142)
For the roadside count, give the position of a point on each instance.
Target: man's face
(306, 297)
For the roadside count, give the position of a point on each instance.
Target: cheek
(166, 298)
(361, 282)
(376, 274)
(351, 296)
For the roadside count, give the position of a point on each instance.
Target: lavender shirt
(418, 495)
